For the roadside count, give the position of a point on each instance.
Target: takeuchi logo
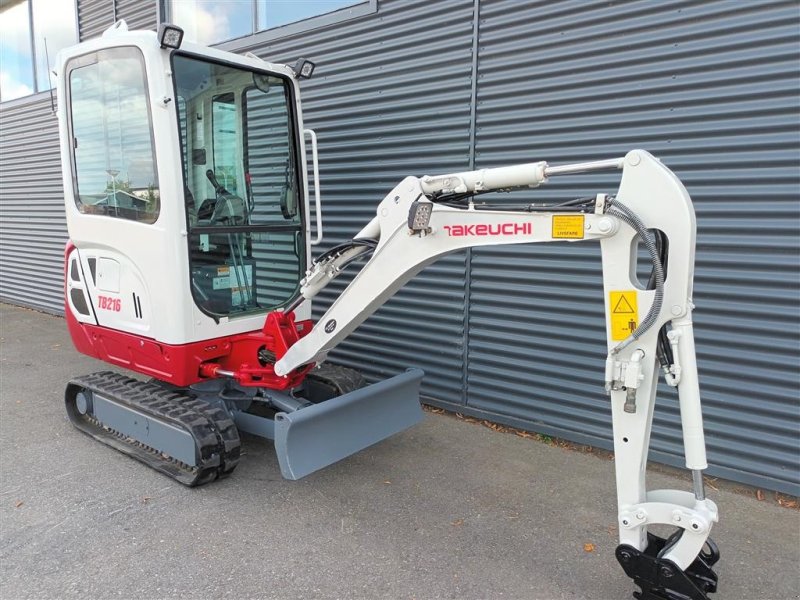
(489, 229)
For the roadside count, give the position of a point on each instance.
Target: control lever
(217, 187)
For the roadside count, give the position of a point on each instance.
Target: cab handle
(317, 201)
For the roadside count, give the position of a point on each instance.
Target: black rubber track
(227, 434)
(328, 381)
(216, 438)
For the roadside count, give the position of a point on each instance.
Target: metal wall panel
(710, 88)
(95, 16)
(389, 99)
(33, 228)
(138, 14)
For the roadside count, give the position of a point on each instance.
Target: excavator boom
(423, 219)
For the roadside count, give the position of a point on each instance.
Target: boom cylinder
(485, 180)
(503, 178)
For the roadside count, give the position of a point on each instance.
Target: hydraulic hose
(626, 215)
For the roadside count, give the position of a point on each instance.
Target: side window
(269, 152)
(226, 141)
(246, 233)
(115, 168)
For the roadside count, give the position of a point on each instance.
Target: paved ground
(446, 510)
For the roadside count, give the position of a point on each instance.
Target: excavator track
(327, 381)
(168, 430)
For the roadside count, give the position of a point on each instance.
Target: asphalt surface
(447, 509)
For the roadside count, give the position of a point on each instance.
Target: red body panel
(185, 364)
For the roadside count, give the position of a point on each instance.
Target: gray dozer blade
(319, 435)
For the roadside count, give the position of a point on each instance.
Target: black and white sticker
(330, 326)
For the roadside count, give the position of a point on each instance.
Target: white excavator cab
(197, 157)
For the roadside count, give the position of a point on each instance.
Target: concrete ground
(446, 510)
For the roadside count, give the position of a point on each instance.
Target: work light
(419, 216)
(303, 68)
(170, 36)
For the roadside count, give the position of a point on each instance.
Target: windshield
(241, 188)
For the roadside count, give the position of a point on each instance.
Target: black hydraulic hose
(625, 214)
(664, 348)
(459, 200)
(343, 247)
(577, 201)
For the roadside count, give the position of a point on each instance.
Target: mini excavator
(190, 263)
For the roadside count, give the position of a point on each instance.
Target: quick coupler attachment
(661, 579)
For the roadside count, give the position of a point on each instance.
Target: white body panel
(154, 257)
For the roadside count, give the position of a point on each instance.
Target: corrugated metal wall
(138, 14)
(33, 228)
(95, 16)
(710, 87)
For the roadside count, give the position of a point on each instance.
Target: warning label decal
(624, 314)
(568, 227)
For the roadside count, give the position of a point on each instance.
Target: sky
(54, 20)
(205, 21)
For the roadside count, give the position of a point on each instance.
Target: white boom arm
(410, 232)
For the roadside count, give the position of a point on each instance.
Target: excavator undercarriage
(192, 434)
(168, 430)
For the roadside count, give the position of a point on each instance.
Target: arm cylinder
(689, 397)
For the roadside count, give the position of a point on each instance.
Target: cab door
(239, 142)
(114, 219)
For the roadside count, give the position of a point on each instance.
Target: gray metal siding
(710, 88)
(138, 14)
(95, 16)
(388, 100)
(33, 228)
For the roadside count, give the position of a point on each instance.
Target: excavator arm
(649, 326)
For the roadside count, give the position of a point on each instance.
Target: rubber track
(227, 434)
(341, 379)
(215, 435)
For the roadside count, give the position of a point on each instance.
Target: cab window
(112, 145)
(246, 232)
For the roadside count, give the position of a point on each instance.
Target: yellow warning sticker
(568, 227)
(624, 313)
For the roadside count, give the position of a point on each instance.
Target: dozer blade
(321, 434)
